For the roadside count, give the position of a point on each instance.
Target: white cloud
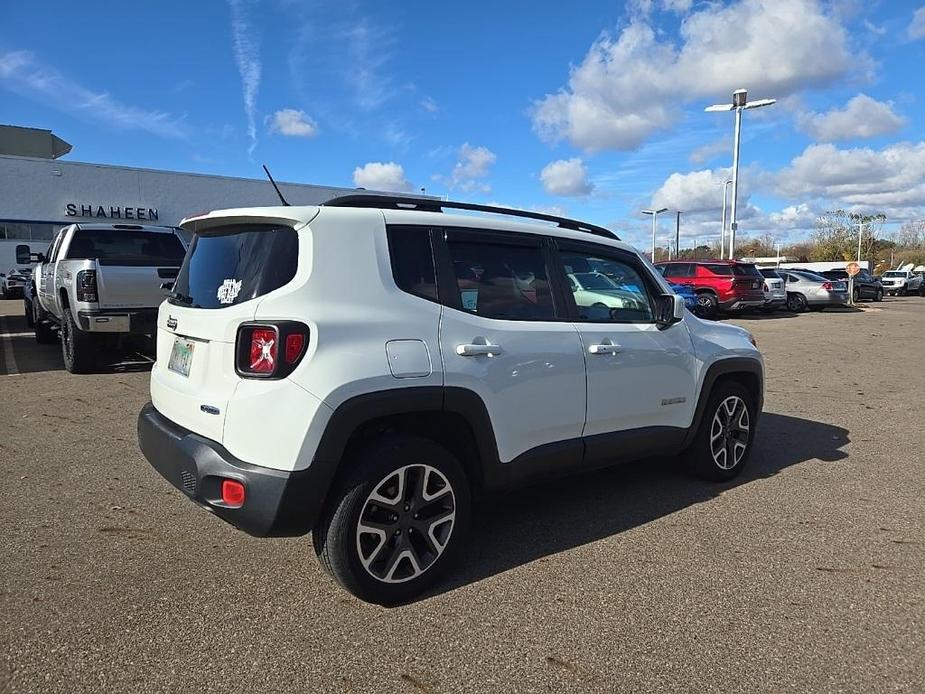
(861, 117)
(631, 85)
(429, 105)
(890, 177)
(801, 216)
(566, 177)
(369, 48)
(706, 152)
(247, 57)
(293, 123)
(916, 28)
(376, 175)
(20, 73)
(473, 165)
(701, 192)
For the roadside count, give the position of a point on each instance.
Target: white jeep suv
(362, 369)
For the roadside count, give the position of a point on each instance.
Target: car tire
(371, 537)
(879, 295)
(856, 296)
(727, 430)
(77, 347)
(706, 304)
(796, 303)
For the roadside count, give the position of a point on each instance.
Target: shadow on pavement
(523, 526)
(21, 354)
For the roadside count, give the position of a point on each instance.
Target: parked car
(902, 282)
(686, 293)
(775, 295)
(865, 285)
(807, 290)
(101, 283)
(720, 285)
(13, 281)
(461, 361)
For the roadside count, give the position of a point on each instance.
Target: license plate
(181, 356)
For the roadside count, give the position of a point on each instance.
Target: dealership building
(39, 193)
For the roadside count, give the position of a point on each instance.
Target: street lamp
(722, 233)
(739, 104)
(655, 214)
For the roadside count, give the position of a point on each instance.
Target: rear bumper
(827, 299)
(775, 302)
(137, 321)
(277, 503)
(743, 302)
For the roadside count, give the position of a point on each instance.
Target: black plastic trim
(401, 202)
(725, 367)
(277, 503)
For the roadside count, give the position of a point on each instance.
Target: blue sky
(589, 109)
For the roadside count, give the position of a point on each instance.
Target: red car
(724, 285)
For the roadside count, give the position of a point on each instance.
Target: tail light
(270, 350)
(86, 286)
(766, 289)
(827, 286)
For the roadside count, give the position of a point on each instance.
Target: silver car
(775, 296)
(808, 290)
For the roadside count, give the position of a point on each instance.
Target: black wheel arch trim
(730, 366)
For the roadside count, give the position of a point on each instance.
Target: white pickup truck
(902, 282)
(99, 284)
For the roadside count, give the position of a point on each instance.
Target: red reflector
(263, 351)
(294, 344)
(233, 492)
(827, 286)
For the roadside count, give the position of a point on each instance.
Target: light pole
(739, 104)
(860, 233)
(655, 214)
(677, 236)
(722, 233)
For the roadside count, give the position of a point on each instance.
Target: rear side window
(501, 281)
(126, 247)
(719, 269)
(413, 261)
(236, 263)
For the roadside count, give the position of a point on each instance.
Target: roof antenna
(281, 198)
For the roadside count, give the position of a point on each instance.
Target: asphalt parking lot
(805, 574)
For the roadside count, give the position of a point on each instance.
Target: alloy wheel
(406, 523)
(729, 432)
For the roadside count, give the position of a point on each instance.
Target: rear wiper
(181, 298)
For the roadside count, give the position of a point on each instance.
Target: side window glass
(55, 246)
(500, 281)
(606, 289)
(413, 261)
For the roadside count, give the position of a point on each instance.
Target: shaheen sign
(73, 209)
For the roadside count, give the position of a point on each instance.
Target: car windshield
(894, 273)
(594, 281)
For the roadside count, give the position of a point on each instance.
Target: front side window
(500, 281)
(607, 289)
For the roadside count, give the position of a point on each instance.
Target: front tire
(879, 295)
(397, 521)
(724, 441)
(77, 347)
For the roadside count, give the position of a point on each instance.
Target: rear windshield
(811, 276)
(126, 247)
(739, 269)
(770, 274)
(232, 264)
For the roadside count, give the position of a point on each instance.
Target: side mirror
(23, 254)
(669, 309)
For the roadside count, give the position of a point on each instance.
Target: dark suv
(725, 285)
(866, 286)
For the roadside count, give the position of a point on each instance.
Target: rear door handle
(478, 350)
(604, 349)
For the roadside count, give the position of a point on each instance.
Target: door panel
(503, 336)
(638, 375)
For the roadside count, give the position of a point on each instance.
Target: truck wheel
(76, 346)
(396, 521)
(724, 441)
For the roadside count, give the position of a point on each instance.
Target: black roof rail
(400, 202)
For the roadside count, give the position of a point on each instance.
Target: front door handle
(604, 349)
(478, 350)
